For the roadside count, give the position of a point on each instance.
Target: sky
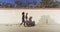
(12, 1)
(7, 1)
(58, 0)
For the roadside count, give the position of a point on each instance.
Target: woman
(26, 20)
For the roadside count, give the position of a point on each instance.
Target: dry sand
(19, 28)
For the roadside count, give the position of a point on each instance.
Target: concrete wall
(14, 16)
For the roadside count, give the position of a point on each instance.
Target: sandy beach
(19, 28)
